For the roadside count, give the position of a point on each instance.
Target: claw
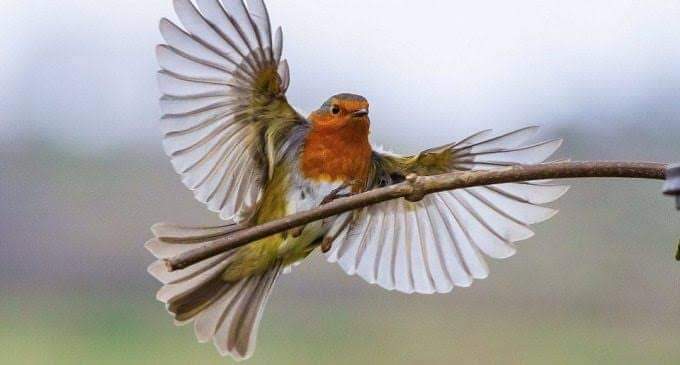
(335, 194)
(327, 244)
(297, 231)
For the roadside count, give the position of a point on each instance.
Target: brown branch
(415, 188)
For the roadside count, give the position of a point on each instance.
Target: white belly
(309, 195)
(302, 196)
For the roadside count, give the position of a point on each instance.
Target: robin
(250, 156)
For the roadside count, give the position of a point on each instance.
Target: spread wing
(440, 242)
(225, 118)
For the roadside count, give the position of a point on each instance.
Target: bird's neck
(337, 154)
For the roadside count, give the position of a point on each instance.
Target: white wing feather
(207, 76)
(440, 242)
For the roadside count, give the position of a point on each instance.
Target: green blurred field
(597, 285)
(117, 330)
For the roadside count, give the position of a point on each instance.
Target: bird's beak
(360, 113)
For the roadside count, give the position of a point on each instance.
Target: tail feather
(172, 292)
(226, 312)
(191, 302)
(182, 235)
(171, 240)
(159, 270)
(209, 321)
(236, 334)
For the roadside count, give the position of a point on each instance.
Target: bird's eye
(335, 110)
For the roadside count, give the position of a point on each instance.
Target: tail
(228, 313)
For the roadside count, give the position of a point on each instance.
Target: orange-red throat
(337, 148)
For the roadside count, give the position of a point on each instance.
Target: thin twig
(415, 188)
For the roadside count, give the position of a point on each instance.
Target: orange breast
(335, 153)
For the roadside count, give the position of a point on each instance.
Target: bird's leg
(297, 231)
(335, 194)
(336, 229)
(327, 244)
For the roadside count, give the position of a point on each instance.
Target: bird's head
(342, 110)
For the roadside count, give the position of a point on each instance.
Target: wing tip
(562, 190)
(164, 23)
(550, 215)
(162, 52)
(558, 142)
(532, 127)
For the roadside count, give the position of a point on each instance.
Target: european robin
(250, 156)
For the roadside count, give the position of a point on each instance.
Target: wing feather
(223, 83)
(404, 262)
(440, 242)
(174, 86)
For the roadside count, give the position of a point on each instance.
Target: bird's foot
(297, 231)
(336, 193)
(327, 244)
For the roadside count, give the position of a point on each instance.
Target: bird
(251, 157)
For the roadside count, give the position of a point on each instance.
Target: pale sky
(83, 71)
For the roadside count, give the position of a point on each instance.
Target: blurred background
(83, 176)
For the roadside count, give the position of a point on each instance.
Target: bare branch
(415, 188)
